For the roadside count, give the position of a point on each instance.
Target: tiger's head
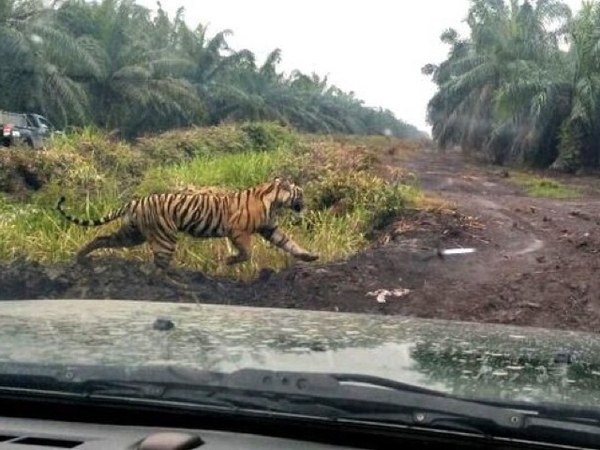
(283, 193)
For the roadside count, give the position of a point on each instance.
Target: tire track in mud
(512, 243)
(531, 241)
(455, 181)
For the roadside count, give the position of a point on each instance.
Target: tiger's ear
(283, 183)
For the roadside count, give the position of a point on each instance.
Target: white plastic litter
(382, 294)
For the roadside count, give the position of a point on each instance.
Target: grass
(348, 202)
(237, 171)
(537, 186)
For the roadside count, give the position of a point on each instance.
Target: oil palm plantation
(118, 65)
(41, 62)
(505, 90)
(140, 86)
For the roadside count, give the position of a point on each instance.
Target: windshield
(43, 122)
(407, 195)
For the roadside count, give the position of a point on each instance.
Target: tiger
(201, 213)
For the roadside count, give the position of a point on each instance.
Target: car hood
(468, 359)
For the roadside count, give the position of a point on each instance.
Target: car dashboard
(31, 434)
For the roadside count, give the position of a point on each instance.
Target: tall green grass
(536, 186)
(236, 171)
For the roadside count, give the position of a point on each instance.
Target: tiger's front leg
(276, 237)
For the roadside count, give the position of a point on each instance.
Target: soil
(535, 264)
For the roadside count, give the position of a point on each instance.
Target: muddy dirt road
(536, 263)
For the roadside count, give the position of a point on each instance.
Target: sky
(375, 48)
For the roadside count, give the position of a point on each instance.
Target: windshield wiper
(136, 384)
(336, 398)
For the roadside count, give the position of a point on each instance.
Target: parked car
(29, 128)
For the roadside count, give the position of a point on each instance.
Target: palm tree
(255, 92)
(140, 87)
(489, 81)
(211, 60)
(41, 62)
(580, 132)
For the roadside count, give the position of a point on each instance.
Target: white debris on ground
(382, 294)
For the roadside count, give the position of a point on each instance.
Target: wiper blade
(141, 384)
(149, 384)
(354, 394)
(354, 398)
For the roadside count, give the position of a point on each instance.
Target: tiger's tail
(112, 215)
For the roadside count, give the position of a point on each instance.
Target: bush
(183, 145)
(269, 135)
(375, 201)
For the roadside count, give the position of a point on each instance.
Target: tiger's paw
(82, 260)
(308, 257)
(230, 260)
(235, 259)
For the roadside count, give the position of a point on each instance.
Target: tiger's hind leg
(276, 237)
(125, 237)
(163, 251)
(241, 241)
